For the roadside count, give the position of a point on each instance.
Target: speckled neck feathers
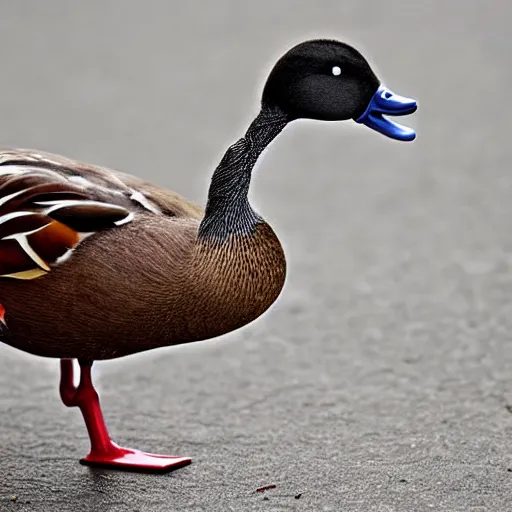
(228, 210)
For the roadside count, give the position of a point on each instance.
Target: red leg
(104, 452)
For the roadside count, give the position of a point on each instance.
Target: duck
(97, 264)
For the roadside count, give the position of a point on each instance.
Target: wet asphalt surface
(381, 380)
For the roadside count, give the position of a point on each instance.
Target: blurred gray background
(382, 378)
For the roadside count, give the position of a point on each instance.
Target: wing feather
(50, 203)
(44, 214)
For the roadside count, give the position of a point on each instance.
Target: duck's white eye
(336, 70)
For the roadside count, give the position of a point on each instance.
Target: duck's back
(138, 191)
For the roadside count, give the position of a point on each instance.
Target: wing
(144, 194)
(49, 204)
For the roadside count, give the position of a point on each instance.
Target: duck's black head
(331, 81)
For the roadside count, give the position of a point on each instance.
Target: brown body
(146, 284)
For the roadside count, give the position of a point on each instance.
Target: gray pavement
(382, 378)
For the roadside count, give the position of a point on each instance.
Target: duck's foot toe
(127, 459)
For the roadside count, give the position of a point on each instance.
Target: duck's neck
(228, 210)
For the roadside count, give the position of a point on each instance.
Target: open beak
(386, 102)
